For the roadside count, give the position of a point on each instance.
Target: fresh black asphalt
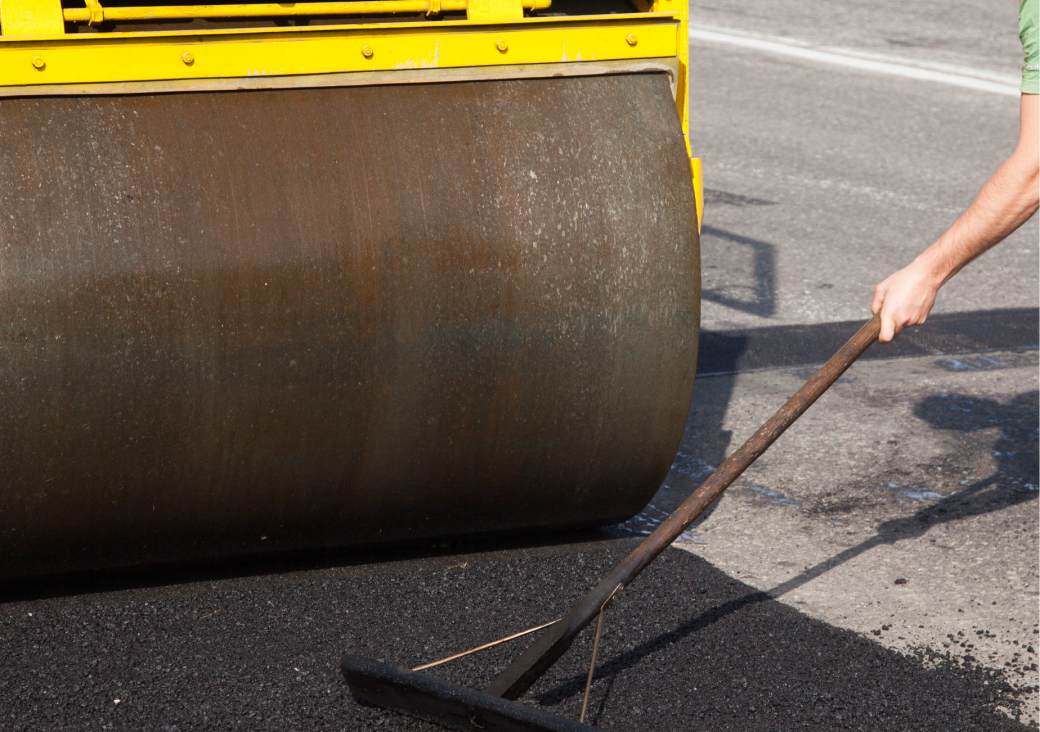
(686, 648)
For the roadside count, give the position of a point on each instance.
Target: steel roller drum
(274, 320)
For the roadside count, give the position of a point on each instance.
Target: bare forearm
(1007, 201)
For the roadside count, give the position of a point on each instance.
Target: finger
(888, 328)
(878, 301)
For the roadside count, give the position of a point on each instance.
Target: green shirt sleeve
(1028, 26)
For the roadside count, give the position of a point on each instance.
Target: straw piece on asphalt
(486, 645)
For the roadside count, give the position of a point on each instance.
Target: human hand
(904, 299)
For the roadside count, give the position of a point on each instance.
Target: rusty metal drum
(265, 321)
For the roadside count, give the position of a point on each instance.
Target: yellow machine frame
(495, 40)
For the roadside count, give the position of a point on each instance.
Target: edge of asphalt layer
(349, 561)
(725, 352)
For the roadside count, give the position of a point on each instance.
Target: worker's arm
(1006, 202)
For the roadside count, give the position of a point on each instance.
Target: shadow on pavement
(730, 658)
(1017, 466)
(758, 297)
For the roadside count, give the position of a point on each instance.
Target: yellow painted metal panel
(260, 10)
(698, 188)
(97, 13)
(31, 18)
(494, 9)
(109, 58)
(667, 66)
(441, 26)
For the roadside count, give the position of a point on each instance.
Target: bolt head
(631, 39)
(187, 58)
(367, 52)
(501, 45)
(38, 63)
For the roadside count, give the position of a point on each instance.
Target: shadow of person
(1012, 483)
(1016, 417)
(1007, 486)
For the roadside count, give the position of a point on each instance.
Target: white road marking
(950, 74)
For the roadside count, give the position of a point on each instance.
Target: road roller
(309, 276)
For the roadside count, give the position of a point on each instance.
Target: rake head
(448, 705)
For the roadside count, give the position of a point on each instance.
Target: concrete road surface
(824, 178)
(828, 167)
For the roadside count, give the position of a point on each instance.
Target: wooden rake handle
(522, 673)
